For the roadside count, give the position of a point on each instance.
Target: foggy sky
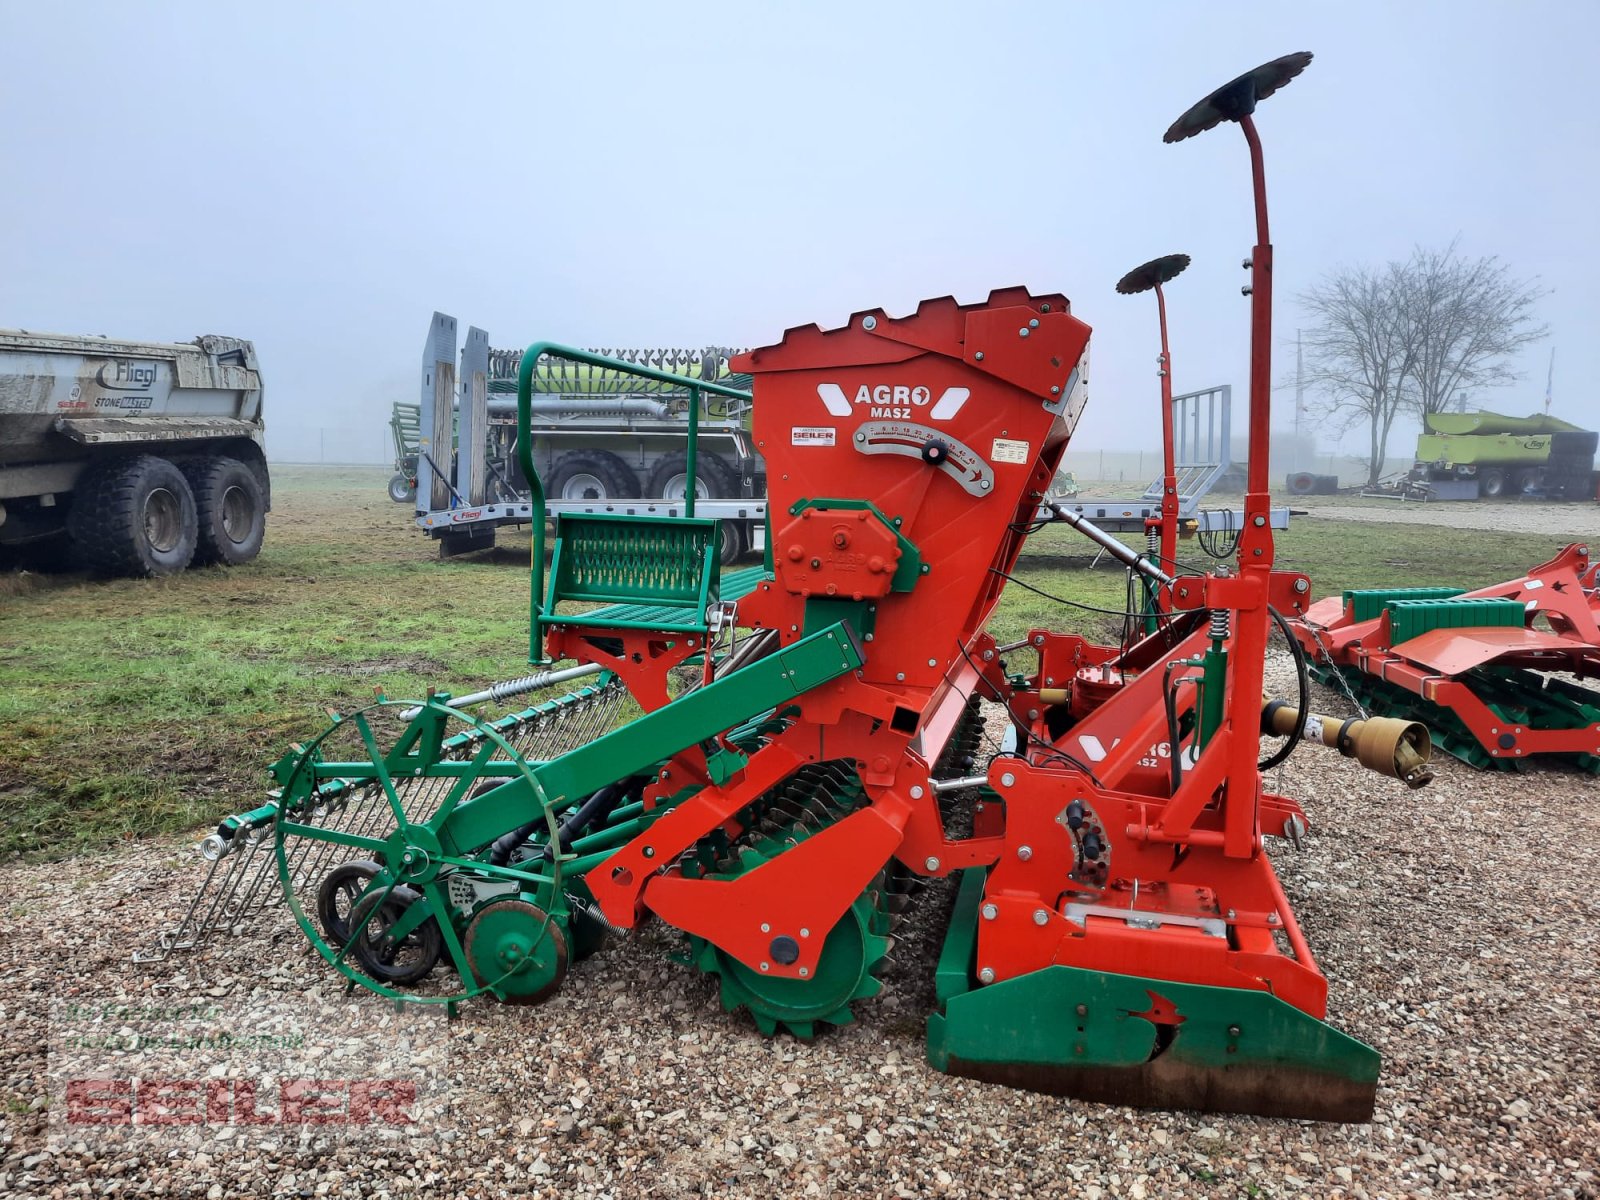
(320, 178)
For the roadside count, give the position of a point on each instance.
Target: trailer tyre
(591, 475)
(714, 478)
(401, 489)
(231, 510)
(732, 547)
(136, 516)
(1492, 482)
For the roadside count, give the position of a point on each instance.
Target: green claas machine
(1462, 456)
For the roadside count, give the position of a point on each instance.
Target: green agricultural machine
(773, 761)
(1464, 456)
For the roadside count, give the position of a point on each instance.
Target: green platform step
(1087, 1034)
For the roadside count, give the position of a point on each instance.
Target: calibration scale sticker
(961, 462)
(812, 435)
(1006, 450)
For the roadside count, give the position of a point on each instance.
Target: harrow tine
(241, 884)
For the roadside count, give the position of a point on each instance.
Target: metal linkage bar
(516, 687)
(1113, 547)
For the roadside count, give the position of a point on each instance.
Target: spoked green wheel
(359, 830)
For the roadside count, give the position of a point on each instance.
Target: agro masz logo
(893, 403)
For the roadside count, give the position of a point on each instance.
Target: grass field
(130, 708)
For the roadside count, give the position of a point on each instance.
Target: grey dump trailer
(148, 455)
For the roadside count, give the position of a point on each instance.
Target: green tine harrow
(244, 880)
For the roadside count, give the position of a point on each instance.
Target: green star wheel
(855, 950)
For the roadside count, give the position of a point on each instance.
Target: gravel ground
(1574, 521)
(1457, 926)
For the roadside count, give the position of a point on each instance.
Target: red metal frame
(1428, 666)
(1169, 471)
(952, 422)
(988, 390)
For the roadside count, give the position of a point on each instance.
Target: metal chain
(1338, 675)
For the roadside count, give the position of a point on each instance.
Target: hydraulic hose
(1303, 678)
(591, 810)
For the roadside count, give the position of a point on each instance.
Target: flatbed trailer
(600, 434)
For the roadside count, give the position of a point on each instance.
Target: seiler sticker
(1008, 451)
(812, 435)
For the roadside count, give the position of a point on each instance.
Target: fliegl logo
(121, 375)
(894, 402)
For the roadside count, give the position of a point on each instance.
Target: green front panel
(627, 559)
(1370, 602)
(641, 744)
(954, 973)
(1412, 618)
(1086, 1033)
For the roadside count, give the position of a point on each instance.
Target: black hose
(1169, 705)
(1303, 678)
(594, 808)
(1219, 543)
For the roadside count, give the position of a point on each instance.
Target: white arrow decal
(949, 404)
(832, 395)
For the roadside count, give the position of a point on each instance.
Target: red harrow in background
(1118, 931)
(1481, 667)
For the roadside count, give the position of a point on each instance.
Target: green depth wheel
(516, 950)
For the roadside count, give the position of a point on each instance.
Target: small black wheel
(669, 478)
(336, 898)
(135, 516)
(591, 475)
(230, 508)
(401, 488)
(404, 962)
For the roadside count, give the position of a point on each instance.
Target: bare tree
(1465, 318)
(1359, 353)
(1408, 336)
